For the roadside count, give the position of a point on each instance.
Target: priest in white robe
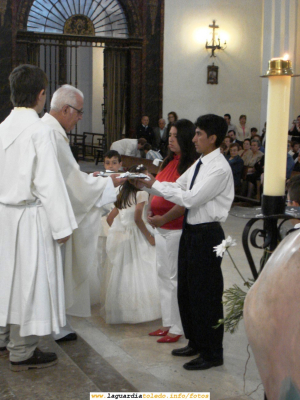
(35, 216)
(87, 194)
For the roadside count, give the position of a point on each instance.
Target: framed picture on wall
(212, 74)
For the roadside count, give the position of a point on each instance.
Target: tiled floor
(124, 358)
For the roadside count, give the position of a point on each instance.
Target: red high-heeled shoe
(169, 339)
(159, 332)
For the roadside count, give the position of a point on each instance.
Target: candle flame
(286, 57)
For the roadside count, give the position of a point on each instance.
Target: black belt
(199, 227)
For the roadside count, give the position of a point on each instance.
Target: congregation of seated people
(248, 177)
(243, 148)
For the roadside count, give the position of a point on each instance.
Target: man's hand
(63, 240)
(117, 181)
(96, 173)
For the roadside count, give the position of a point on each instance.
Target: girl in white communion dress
(129, 291)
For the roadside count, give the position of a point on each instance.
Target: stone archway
(145, 21)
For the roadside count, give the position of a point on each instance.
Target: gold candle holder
(279, 67)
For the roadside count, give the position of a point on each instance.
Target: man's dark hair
(253, 129)
(26, 82)
(293, 188)
(248, 140)
(111, 154)
(227, 115)
(212, 124)
(231, 130)
(142, 141)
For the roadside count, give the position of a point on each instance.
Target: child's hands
(151, 240)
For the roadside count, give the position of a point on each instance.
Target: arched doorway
(66, 39)
(145, 24)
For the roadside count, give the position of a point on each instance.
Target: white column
(280, 37)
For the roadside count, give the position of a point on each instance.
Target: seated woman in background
(167, 218)
(237, 165)
(243, 132)
(223, 147)
(256, 155)
(227, 141)
(246, 153)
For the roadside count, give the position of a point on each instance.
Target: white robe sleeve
(49, 187)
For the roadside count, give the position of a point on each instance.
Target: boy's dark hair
(227, 115)
(26, 82)
(111, 154)
(127, 193)
(212, 124)
(147, 147)
(253, 129)
(293, 188)
(234, 145)
(185, 134)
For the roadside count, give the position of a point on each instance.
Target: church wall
(185, 59)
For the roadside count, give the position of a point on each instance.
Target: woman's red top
(159, 205)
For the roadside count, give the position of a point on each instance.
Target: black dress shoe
(67, 338)
(200, 364)
(186, 351)
(39, 359)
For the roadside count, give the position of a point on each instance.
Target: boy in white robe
(36, 216)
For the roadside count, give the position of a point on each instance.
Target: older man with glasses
(87, 195)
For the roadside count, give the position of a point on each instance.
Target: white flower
(230, 242)
(221, 248)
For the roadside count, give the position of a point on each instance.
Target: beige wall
(186, 59)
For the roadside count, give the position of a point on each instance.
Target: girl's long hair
(127, 193)
(185, 134)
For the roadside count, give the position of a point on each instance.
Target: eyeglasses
(80, 112)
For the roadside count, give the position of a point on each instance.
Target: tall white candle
(277, 134)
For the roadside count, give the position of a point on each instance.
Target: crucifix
(215, 43)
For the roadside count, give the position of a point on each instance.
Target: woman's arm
(111, 216)
(160, 220)
(140, 223)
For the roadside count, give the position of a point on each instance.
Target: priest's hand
(63, 240)
(143, 182)
(96, 173)
(117, 181)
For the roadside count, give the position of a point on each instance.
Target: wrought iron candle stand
(270, 232)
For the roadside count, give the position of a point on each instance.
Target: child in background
(131, 294)
(112, 161)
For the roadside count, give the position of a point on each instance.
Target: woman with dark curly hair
(167, 218)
